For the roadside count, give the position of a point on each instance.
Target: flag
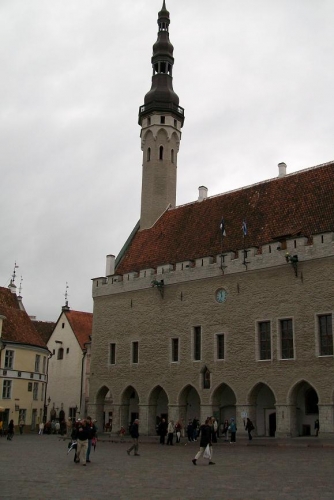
(244, 228)
(222, 227)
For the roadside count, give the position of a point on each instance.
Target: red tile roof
(44, 328)
(17, 327)
(81, 324)
(300, 203)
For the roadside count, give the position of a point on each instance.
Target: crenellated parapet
(292, 251)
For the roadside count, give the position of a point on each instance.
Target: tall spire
(161, 119)
(162, 97)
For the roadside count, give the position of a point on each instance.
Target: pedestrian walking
(162, 431)
(134, 433)
(91, 435)
(170, 431)
(178, 432)
(214, 430)
(233, 430)
(21, 426)
(205, 432)
(249, 428)
(82, 441)
(224, 429)
(40, 428)
(190, 431)
(316, 427)
(10, 433)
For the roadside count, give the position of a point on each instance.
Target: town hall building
(223, 306)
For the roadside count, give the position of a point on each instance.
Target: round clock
(221, 295)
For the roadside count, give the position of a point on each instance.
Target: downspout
(46, 388)
(82, 378)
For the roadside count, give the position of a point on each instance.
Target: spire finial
(20, 287)
(14, 273)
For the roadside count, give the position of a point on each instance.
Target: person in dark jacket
(249, 427)
(205, 432)
(91, 434)
(10, 430)
(134, 433)
(162, 431)
(82, 441)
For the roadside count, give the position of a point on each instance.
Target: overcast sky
(256, 79)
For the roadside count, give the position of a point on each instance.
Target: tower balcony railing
(161, 106)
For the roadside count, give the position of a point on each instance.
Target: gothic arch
(158, 407)
(189, 404)
(303, 400)
(262, 412)
(223, 402)
(103, 401)
(129, 406)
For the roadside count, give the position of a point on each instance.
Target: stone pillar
(144, 413)
(206, 411)
(183, 419)
(286, 421)
(326, 421)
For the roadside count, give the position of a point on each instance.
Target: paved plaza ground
(38, 467)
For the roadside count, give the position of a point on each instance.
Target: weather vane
(20, 288)
(14, 273)
(66, 294)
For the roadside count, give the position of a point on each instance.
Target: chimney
(202, 193)
(281, 169)
(110, 265)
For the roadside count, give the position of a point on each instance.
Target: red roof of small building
(81, 324)
(301, 203)
(17, 327)
(44, 328)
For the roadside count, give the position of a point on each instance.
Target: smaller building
(69, 366)
(23, 363)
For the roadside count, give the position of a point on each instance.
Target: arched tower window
(161, 153)
(172, 156)
(148, 157)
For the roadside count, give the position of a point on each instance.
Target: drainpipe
(82, 377)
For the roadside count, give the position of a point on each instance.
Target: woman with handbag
(205, 442)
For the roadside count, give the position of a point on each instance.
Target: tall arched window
(148, 154)
(172, 155)
(161, 153)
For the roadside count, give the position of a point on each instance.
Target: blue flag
(222, 227)
(244, 228)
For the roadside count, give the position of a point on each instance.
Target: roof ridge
(253, 185)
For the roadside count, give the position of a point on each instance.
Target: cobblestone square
(38, 467)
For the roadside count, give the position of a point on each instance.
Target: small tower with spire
(161, 119)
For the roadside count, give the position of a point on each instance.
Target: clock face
(221, 295)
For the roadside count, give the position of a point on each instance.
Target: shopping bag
(207, 452)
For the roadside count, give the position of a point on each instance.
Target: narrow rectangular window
(9, 359)
(42, 392)
(162, 119)
(135, 352)
(35, 391)
(44, 364)
(29, 386)
(7, 389)
(37, 362)
(286, 339)
(325, 335)
(220, 346)
(264, 340)
(197, 343)
(175, 350)
(112, 354)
